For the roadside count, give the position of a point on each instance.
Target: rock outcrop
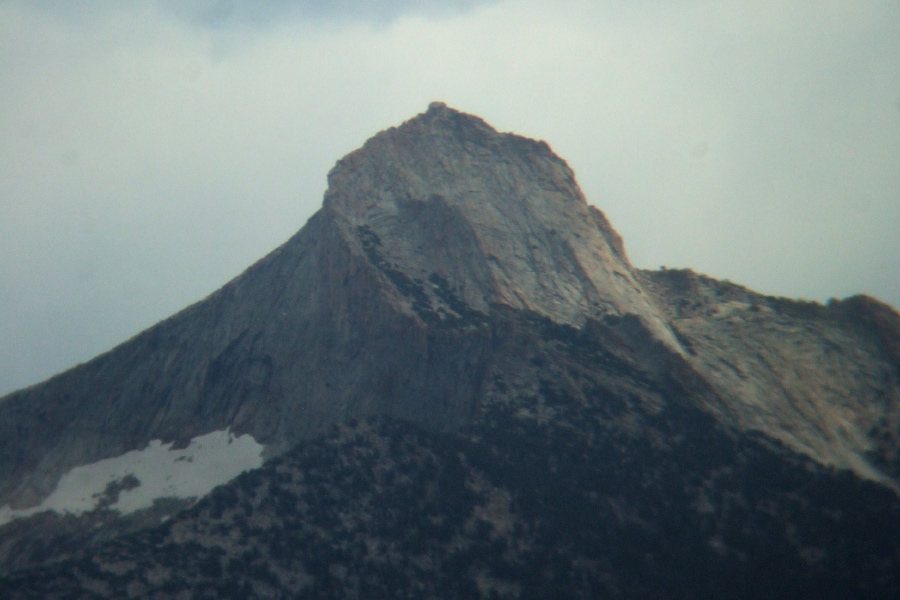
(824, 380)
(448, 203)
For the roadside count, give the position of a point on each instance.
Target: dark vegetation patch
(462, 314)
(599, 484)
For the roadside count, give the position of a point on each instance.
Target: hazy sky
(152, 150)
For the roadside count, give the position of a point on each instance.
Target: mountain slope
(592, 479)
(457, 284)
(823, 380)
(429, 224)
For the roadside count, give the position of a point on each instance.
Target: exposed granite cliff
(454, 272)
(825, 380)
(495, 218)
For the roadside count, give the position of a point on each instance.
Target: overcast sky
(152, 150)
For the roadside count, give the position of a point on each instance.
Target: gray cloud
(218, 14)
(221, 13)
(148, 152)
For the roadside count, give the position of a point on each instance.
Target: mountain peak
(471, 320)
(450, 121)
(498, 217)
(438, 106)
(436, 223)
(439, 113)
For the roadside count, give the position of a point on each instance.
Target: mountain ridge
(454, 272)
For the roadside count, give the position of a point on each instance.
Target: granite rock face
(824, 380)
(494, 218)
(456, 280)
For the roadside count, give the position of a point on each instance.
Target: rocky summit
(452, 383)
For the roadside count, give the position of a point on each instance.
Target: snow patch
(135, 479)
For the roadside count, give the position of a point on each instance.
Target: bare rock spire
(499, 217)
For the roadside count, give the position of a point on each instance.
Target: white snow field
(161, 472)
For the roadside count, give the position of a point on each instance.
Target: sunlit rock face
(460, 302)
(824, 380)
(495, 218)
